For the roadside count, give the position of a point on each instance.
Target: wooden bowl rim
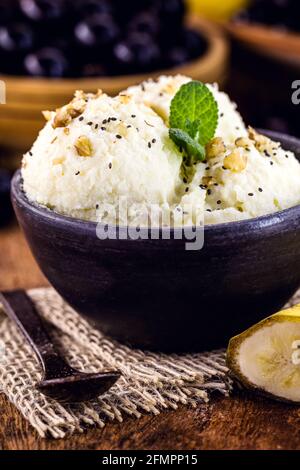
(276, 43)
(273, 33)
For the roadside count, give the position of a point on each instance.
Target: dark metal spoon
(60, 381)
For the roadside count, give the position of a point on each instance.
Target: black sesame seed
(77, 173)
(208, 210)
(266, 153)
(97, 206)
(133, 115)
(118, 136)
(286, 155)
(113, 118)
(103, 128)
(271, 163)
(237, 128)
(129, 125)
(186, 189)
(110, 166)
(184, 180)
(250, 194)
(96, 126)
(260, 190)
(207, 168)
(153, 141)
(90, 123)
(222, 114)
(143, 87)
(81, 118)
(216, 184)
(223, 168)
(149, 145)
(209, 192)
(30, 153)
(219, 202)
(104, 121)
(202, 186)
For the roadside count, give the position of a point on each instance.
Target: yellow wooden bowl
(27, 97)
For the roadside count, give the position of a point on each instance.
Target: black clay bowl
(154, 293)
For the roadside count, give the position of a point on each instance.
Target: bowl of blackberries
(272, 27)
(95, 38)
(49, 48)
(282, 15)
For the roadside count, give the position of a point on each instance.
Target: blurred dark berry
(137, 53)
(195, 44)
(145, 22)
(177, 56)
(6, 211)
(48, 62)
(125, 10)
(67, 47)
(171, 12)
(85, 8)
(43, 10)
(97, 31)
(16, 37)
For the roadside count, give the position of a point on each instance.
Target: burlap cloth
(150, 382)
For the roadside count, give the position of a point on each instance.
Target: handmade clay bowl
(155, 294)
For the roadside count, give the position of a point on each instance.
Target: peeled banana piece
(266, 357)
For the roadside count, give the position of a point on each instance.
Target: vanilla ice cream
(99, 152)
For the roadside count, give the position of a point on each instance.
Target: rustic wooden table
(240, 422)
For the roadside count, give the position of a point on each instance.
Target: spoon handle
(21, 310)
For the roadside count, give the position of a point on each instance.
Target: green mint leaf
(193, 149)
(195, 111)
(192, 128)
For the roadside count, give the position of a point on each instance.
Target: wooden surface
(240, 422)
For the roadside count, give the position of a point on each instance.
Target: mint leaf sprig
(193, 119)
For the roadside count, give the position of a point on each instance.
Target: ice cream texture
(99, 153)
